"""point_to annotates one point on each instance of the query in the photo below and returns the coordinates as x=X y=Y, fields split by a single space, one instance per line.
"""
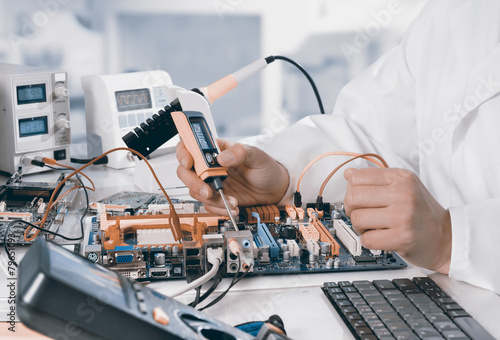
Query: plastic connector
x=215 y=254
x=319 y=203
x=297 y=199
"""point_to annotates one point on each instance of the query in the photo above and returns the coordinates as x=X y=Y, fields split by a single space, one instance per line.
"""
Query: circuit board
x=131 y=234
x=28 y=201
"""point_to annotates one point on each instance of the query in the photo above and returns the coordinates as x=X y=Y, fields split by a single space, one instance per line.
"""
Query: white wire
x=199 y=281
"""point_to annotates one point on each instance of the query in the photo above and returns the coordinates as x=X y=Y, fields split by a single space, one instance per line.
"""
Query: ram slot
x=325 y=236
x=266 y=238
x=11 y=216
x=348 y=237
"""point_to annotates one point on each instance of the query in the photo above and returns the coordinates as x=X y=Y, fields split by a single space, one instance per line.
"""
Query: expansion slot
x=10 y=216
x=325 y=236
x=348 y=237
x=295 y=212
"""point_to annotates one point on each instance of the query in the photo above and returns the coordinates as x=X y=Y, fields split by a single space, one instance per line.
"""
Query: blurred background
x=200 y=41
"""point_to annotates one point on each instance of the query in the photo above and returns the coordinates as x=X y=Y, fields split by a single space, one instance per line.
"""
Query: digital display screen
x=133 y=100
x=200 y=130
x=86 y=276
x=33 y=126
x=29 y=94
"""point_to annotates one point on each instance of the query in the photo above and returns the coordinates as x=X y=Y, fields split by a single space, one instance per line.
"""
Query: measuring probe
x=195 y=133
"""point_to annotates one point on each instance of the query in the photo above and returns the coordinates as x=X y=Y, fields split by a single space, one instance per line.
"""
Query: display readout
x=200 y=129
x=33 y=126
x=133 y=100
x=30 y=94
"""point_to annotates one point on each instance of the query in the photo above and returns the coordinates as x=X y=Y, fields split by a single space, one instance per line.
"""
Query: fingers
x=183 y=156
x=374 y=176
x=196 y=186
x=357 y=197
x=370 y=218
x=236 y=154
x=382 y=239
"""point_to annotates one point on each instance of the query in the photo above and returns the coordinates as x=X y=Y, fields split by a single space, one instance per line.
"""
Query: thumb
x=348 y=173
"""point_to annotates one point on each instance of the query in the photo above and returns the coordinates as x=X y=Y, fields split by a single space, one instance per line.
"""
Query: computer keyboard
x=401 y=309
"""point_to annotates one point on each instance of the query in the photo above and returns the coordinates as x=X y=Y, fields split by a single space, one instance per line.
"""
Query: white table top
x=297 y=299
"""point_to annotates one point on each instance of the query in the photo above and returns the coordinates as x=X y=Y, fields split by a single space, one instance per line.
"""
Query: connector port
x=124 y=258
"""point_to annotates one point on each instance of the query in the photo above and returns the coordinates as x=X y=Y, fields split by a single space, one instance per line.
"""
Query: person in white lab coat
x=431 y=108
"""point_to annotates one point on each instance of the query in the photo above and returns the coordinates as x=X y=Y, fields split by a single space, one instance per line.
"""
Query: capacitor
x=288 y=220
x=336 y=215
x=284 y=247
x=286 y=256
x=332 y=232
x=168 y=250
x=329 y=263
x=336 y=263
x=324 y=248
x=175 y=250
x=280 y=241
x=312 y=258
x=159 y=260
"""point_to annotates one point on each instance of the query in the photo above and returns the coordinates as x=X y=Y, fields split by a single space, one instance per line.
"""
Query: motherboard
x=131 y=234
x=28 y=201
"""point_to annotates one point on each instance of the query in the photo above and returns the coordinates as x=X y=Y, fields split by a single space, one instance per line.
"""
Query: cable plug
x=297 y=199
x=319 y=203
x=49 y=161
x=214 y=254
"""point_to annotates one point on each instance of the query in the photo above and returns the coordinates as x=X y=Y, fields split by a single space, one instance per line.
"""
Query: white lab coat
x=431 y=105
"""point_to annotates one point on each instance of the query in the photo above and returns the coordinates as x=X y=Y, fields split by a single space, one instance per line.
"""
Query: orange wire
x=176 y=226
x=335 y=153
x=382 y=165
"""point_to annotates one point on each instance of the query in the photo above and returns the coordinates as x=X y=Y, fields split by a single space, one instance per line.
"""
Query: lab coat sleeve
x=474 y=244
x=374 y=113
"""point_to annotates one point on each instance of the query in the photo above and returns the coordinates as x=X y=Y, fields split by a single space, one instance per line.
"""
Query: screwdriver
x=197 y=137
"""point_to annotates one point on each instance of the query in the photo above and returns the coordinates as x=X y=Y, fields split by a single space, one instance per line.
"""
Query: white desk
x=298 y=299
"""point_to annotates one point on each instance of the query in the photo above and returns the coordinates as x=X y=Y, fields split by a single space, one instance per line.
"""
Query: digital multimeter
x=65 y=296
x=195 y=133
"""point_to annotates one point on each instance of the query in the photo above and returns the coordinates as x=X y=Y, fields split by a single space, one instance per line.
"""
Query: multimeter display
x=133 y=100
x=33 y=126
x=103 y=283
x=203 y=137
x=29 y=94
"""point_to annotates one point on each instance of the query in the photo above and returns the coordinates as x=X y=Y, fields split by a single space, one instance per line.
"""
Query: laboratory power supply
x=34 y=117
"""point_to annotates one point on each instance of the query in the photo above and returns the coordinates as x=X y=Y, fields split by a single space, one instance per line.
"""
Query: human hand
x=254 y=177
x=392 y=210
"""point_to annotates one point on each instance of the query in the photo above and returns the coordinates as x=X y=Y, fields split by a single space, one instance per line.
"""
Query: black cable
x=272 y=58
x=233 y=282
x=103 y=160
x=197 y=298
x=11 y=223
x=216 y=280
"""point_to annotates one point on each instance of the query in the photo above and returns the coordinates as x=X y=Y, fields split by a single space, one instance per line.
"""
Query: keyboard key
x=473 y=328
x=457 y=314
x=368 y=337
x=353 y=316
x=383 y=284
x=361 y=331
x=455 y=335
x=342 y=303
x=351 y=296
x=405 y=335
x=330 y=284
x=338 y=296
x=335 y=290
x=437 y=317
x=347 y=309
x=357 y=324
x=404 y=284
x=344 y=283
x=445 y=326
x=349 y=289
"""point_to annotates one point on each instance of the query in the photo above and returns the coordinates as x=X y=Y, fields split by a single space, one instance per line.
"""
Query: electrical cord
x=372 y=158
x=271 y=58
x=176 y=227
x=233 y=282
x=200 y=281
x=103 y=160
x=323 y=185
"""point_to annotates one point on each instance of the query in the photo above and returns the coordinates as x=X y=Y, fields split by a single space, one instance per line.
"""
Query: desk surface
x=298 y=299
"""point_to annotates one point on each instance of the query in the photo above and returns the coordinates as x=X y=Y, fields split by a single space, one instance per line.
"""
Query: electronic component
x=116 y=103
x=35 y=120
x=285 y=250
x=68 y=299
x=348 y=237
